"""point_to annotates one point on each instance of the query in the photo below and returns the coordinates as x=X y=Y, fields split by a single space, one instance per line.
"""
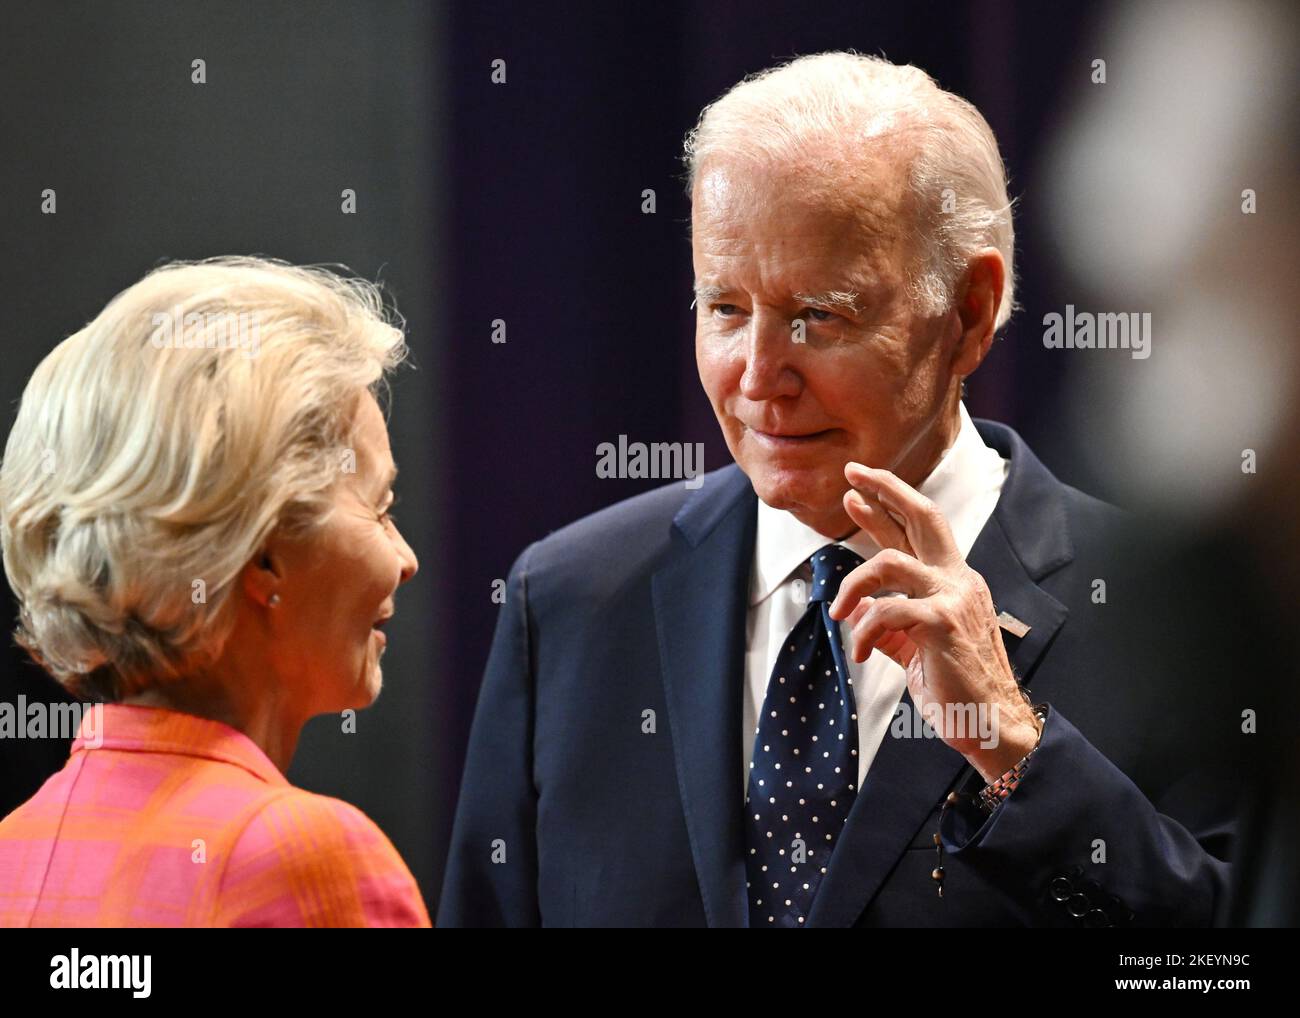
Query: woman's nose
x=410 y=564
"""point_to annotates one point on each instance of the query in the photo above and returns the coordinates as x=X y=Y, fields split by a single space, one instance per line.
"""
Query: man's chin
x=806 y=495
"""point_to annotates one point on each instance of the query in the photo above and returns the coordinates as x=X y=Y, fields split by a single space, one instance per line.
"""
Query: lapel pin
x=1012 y=624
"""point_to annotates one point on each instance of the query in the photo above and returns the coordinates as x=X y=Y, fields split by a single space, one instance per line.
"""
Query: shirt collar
x=158 y=730
x=965 y=470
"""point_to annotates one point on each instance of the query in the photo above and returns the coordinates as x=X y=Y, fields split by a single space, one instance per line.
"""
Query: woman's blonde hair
x=157 y=449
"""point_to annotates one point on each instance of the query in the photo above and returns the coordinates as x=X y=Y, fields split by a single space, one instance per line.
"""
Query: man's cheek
x=715 y=385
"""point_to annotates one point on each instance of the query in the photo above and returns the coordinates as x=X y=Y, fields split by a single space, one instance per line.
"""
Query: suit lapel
x=700 y=604
x=1024 y=540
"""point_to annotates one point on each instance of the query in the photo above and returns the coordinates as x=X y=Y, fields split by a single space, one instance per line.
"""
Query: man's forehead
x=807 y=219
x=862 y=190
x=808 y=240
x=808 y=257
x=871 y=180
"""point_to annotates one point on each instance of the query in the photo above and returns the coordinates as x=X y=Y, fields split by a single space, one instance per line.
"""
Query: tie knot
x=830 y=565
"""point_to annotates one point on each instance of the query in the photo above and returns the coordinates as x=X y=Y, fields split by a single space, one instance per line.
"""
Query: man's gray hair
x=957 y=177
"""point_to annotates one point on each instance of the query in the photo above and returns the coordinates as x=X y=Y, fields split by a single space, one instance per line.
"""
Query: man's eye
x=726 y=310
x=820 y=314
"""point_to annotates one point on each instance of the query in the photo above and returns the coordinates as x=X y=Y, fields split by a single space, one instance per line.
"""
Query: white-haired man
x=720 y=706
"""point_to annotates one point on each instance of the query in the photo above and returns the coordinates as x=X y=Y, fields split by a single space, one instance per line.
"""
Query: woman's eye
x=726 y=310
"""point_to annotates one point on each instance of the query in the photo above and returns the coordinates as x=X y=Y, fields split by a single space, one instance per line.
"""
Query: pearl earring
x=274 y=599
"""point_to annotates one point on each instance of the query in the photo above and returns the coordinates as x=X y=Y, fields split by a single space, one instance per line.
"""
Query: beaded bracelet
x=992 y=794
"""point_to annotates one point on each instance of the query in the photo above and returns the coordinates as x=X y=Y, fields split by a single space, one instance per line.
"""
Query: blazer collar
x=136 y=729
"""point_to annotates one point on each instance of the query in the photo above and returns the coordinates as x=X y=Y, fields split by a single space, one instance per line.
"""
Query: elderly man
x=796 y=696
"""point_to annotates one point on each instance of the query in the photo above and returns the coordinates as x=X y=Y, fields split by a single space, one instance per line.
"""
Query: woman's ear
x=262 y=577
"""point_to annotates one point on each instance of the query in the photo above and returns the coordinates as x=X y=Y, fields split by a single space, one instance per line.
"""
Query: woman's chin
x=375 y=685
x=374 y=675
x=365 y=689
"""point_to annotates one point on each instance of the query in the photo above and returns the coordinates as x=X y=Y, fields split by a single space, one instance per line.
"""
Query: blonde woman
x=194 y=513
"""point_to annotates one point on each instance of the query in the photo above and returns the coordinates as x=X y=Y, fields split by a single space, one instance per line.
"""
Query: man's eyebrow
x=707 y=292
x=847 y=300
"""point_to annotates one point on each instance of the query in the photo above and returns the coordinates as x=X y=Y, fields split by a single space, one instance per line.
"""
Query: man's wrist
x=1015 y=741
x=997 y=790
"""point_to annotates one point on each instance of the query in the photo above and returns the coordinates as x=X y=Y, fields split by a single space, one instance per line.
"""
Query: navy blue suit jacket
x=577 y=811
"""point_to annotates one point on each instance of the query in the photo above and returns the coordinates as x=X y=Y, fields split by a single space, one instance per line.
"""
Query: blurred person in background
x=1172 y=191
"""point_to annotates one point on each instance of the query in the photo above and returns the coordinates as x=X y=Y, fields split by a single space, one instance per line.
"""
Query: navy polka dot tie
x=804 y=772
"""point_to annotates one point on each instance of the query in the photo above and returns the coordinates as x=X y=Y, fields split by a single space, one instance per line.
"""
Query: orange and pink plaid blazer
x=179 y=821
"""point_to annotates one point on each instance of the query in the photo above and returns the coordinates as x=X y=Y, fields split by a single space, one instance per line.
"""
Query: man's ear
x=977 y=310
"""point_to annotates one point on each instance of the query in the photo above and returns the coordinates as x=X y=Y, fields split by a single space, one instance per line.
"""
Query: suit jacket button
x=1096 y=918
x=1061 y=889
x=1078 y=905
x=1118 y=913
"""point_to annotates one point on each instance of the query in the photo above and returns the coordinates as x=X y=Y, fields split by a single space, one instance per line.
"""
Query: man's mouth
x=787 y=439
x=378 y=627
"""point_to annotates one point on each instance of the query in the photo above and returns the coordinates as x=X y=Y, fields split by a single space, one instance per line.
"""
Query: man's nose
x=769 y=357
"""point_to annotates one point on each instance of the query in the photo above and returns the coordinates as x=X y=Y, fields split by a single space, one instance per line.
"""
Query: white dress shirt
x=965 y=485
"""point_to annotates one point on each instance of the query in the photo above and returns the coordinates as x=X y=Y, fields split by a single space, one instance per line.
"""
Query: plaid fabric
x=179 y=821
